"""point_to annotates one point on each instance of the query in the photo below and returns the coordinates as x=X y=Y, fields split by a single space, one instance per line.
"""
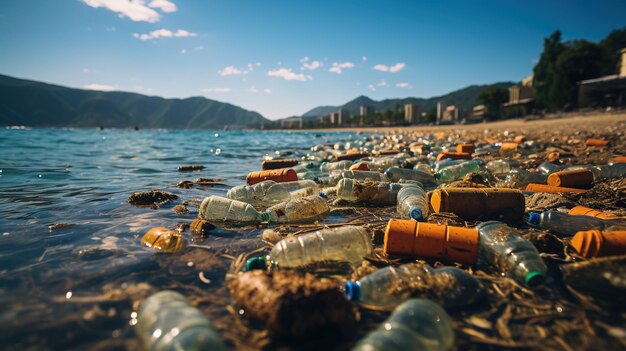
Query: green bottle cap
x=254 y=263
x=534 y=279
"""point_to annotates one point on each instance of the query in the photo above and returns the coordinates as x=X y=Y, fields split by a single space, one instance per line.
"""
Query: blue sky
x=282 y=58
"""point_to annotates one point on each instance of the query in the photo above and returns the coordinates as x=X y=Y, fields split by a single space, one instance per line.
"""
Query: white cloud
x=364 y=58
x=216 y=90
x=183 y=51
x=230 y=71
x=110 y=29
x=382 y=83
x=136 y=10
x=371 y=87
x=85 y=70
x=339 y=67
x=164 y=5
x=258 y=64
x=199 y=48
x=404 y=85
x=267 y=91
x=164 y=33
x=393 y=69
x=287 y=74
x=254 y=90
x=100 y=87
x=312 y=65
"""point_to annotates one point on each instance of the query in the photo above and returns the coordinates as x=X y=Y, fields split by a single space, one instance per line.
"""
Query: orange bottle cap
x=574 y=178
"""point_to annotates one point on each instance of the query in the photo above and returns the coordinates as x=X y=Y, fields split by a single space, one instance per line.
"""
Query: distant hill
x=36 y=104
x=464 y=99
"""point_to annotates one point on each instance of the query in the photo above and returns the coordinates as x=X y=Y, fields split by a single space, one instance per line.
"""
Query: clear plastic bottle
x=448 y=162
x=346 y=244
x=503 y=250
x=548 y=168
x=167 y=322
x=395 y=174
x=521 y=177
x=374 y=192
x=423 y=167
x=301 y=188
x=220 y=209
x=360 y=175
x=303 y=209
x=267 y=192
x=458 y=171
x=332 y=166
x=390 y=286
x=416 y=325
x=568 y=225
x=501 y=167
x=412 y=202
x=382 y=163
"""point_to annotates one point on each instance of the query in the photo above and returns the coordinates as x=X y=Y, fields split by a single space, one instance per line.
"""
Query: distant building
x=440 y=108
x=450 y=114
x=344 y=116
x=607 y=91
x=366 y=111
x=292 y=123
x=521 y=98
x=411 y=113
x=478 y=112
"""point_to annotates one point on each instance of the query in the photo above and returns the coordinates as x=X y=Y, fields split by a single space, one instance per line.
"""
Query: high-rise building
x=411 y=113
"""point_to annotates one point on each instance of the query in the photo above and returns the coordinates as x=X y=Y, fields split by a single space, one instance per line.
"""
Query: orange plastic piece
x=542 y=188
x=595 y=243
x=619 y=159
x=479 y=203
x=277 y=164
x=492 y=140
x=454 y=155
x=575 y=178
x=519 y=139
x=586 y=211
x=553 y=156
x=360 y=166
x=388 y=152
x=465 y=148
x=277 y=175
x=597 y=142
x=508 y=146
x=439 y=241
x=417 y=149
x=351 y=156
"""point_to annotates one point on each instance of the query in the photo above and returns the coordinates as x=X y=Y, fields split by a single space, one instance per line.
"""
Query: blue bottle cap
x=533 y=218
x=352 y=291
x=323 y=195
x=534 y=279
x=316 y=179
x=415 y=213
x=254 y=263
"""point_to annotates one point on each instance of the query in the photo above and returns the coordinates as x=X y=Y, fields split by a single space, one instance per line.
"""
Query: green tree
x=545 y=70
x=493 y=98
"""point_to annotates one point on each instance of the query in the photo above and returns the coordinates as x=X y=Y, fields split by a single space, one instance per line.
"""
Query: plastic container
x=161 y=239
x=576 y=178
x=382 y=193
x=431 y=241
x=542 y=188
x=220 y=209
x=361 y=175
x=465 y=148
x=416 y=325
x=423 y=167
x=521 y=177
x=480 y=203
x=167 y=322
x=595 y=243
x=454 y=155
x=501 y=249
x=439 y=165
x=305 y=209
x=339 y=165
x=278 y=163
x=501 y=167
x=345 y=244
x=616 y=170
x=458 y=171
x=388 y=287
x=395 y=174
x=566 y=224
x=412 y=202
x=586 y=211
x=267 y=192
x=277 y=175
x=382 y=163
x=548 y=168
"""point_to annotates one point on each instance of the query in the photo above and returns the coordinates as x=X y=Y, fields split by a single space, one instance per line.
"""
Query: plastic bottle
x=595 y=243
x=395 y=174
x=501 y=167
x=360 y=175
x=346 y=244
x=416 y=325
x=382 y=163
x=458 y=171
x=375 y=192
x=480 y=203
x=390 y=286
x=521 y=177
x=264 y=193
x=616 y=170
x=548 y=168
x=277 y=175
x=423 y=167
x=575 y=178
x=339 y=165
x=167 y=322
x=502 y=249
x=412 y=202
x=301 y=188
x=220 y=209
x=304 y=209
x=566 y=224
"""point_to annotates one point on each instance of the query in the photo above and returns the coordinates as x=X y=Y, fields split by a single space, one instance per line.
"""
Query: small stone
x=181 y=209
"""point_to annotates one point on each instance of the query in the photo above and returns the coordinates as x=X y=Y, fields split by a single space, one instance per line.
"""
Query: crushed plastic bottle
x=458 y=171
x=390 y=286
x=417 y=325
x=503 y=250
x=501 y=167
x=304 y=209
x=167 y=322
x=412 y=202
x=396 y=174
x=220 y=209
x=345 y=244
x=264 y=193
x=332 y=166
x=567 y=225
x=376 y=192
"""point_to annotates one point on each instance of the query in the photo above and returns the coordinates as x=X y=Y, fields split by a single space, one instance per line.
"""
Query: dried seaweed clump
x=152 y=198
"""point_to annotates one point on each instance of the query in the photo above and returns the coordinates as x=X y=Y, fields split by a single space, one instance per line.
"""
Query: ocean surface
x=70 y=243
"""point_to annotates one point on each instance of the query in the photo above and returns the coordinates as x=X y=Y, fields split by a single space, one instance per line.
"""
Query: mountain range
x=36 y=104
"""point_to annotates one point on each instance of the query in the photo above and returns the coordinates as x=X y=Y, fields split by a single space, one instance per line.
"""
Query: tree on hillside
x=493 y=98
x=545 y=70
x=611 y=47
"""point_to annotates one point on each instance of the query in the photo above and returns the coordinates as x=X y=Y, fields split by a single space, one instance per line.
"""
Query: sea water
x=69 y=239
